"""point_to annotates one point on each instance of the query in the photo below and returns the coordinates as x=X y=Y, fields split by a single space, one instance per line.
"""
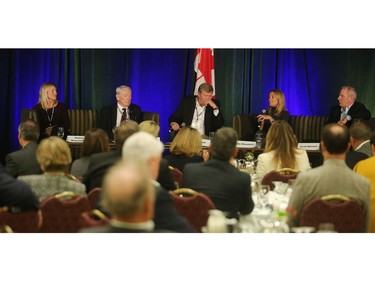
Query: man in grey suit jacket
x=333 y=177
x=360 y=134
x=219 y=179
x=23 y=162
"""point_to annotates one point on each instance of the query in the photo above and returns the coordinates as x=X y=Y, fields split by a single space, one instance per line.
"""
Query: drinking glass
x=263 y=198
x=60 y=132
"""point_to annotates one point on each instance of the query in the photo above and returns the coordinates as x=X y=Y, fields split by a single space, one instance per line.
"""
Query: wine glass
x=263 y=198
x=60 y=132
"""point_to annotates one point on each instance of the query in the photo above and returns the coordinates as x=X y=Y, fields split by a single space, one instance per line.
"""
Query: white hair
x=140 y=147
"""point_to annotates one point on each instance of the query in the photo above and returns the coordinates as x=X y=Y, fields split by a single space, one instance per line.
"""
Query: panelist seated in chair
x=333 y=177
x=200 y=112
x=112 y=115
x=281 y=151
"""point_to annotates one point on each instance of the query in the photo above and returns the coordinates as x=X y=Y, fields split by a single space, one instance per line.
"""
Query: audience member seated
x=348 y=108
x=200 y=112
x=366 y=168
x=185 y=148
x=51 y=113
x=360 y=134
x=99 y=163
x=151 y=127
x=275 y=111
x=112 y=115
x=23 y=162
x=54 y=157
x=16 y=194
x=281 y=151
x=333 y=177
x=96 y=141
x=129 y=198
x=218 y=178
x=146 y=151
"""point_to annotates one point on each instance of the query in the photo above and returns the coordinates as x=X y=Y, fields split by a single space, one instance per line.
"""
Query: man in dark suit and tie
x=23 y=162
x=112 y=115
x=219 y=179
x=348 y=109
x=199 y=112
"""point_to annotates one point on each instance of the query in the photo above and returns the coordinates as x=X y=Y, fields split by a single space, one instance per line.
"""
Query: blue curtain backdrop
x=87 y=79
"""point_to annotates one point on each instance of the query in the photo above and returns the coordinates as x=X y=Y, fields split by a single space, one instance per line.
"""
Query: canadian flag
x=205 y=69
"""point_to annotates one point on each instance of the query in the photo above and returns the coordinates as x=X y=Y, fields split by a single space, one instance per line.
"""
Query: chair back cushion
x=245 y=125
x=346 y=216
x=81 y=120
x=194 y=208
x=62 y=215
x=154 y=116
x=23 y=222
x=93 y=197
x=177 y=176
x=307 y=128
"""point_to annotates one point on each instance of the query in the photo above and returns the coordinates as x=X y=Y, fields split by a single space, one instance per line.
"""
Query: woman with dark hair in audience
x=96 y=140
x=186 y=147
x=51 y=113
x=276 y=110
x=281 y=151
x=54 y=157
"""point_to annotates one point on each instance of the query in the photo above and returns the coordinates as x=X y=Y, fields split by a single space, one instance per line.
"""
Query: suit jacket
x=356 y=111
x=333 y=177
x=227 y=187
x=179 y=162
x=23 y=162
x=108 y=117
x=366 y=149
x=15 y=193
x=366 y=168
x=101 y=162
x=353 y=157
x=185 y=113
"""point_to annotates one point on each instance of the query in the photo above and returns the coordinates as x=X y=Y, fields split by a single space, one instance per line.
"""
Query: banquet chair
x=193 y=206
x=346 y=214
x=176 y=176
x=283 y=175
x=61 y=212
x=93 y=218
x=93 y=197
x=21 y=222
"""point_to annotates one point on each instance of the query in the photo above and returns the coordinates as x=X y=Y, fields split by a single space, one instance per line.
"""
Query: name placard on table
x=309 y=146
x=75 y=139
x=240 y=143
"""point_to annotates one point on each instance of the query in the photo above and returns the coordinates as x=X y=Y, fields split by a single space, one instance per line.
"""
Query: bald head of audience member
x=144 y=149
x=127 y=193
x=223 y=144
x=335 y=141
x=124 y=131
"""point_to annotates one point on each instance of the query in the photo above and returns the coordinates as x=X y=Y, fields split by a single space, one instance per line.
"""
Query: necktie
x=125 y=114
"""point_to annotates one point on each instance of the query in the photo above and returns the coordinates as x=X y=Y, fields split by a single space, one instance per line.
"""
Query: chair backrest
x=154 y=116
x=82 y=120
x=346 y=214
x=93 y=218
x=283 y=175
x=28 y=113
x=61 y=212
x=194 y=207
x=177 y=176
x=93 y=197
x=245 y=125
x=22 y=222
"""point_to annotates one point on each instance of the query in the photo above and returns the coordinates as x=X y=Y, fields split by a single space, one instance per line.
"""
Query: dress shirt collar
x=147 y=225
x=362 y=144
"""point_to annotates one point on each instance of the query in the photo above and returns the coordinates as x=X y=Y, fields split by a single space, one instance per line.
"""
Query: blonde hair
x=281 y=98
x=280 y=139
x=43 y=98
x=188 y=142
x=53 y=154
x=151 y=127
